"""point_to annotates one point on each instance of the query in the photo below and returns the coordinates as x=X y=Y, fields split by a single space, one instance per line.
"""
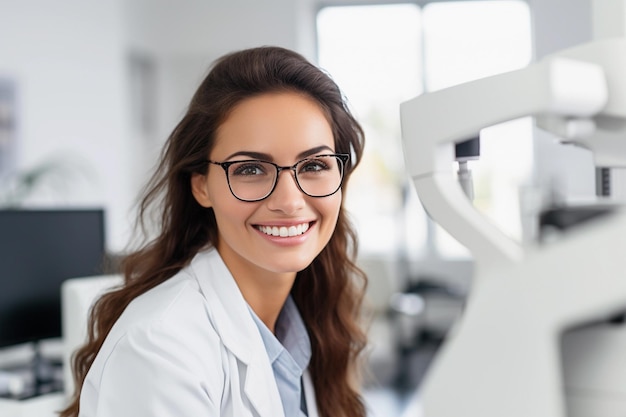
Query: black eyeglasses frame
x=344 y=158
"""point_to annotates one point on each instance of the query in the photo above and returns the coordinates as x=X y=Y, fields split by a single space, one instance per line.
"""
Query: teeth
x=284 y=231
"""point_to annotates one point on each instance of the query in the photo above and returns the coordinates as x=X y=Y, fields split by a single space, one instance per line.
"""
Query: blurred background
x=89 y=91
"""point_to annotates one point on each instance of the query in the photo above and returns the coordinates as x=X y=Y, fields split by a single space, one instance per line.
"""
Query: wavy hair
x=334 y=327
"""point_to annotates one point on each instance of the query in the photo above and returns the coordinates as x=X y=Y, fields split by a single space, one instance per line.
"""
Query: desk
x=43 y=406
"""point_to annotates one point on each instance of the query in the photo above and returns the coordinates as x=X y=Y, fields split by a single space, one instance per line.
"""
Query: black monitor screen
x=39 y=249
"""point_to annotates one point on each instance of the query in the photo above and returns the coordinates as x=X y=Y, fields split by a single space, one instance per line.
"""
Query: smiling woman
x=265 y=126
x=222 y=313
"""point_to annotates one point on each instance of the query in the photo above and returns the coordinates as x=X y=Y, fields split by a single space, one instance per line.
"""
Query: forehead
x=278 y=124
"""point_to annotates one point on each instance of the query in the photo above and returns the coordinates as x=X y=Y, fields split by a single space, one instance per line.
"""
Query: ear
x=199 y=189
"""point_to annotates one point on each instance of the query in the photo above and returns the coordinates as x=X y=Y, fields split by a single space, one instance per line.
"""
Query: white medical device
x=510 y=354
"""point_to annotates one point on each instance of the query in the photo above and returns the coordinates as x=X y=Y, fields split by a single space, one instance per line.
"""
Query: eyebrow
x=268 y=157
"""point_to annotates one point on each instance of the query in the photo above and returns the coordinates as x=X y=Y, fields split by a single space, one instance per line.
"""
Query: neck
x=267 y=301
x=264 y=291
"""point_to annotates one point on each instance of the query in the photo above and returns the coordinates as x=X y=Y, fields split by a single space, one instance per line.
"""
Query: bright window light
x=377 y=63
x=392 y=53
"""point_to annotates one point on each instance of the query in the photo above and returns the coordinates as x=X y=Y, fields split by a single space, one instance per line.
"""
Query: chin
x=290 y=265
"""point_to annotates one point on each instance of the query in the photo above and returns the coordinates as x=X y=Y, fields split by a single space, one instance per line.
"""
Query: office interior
x=90 y=91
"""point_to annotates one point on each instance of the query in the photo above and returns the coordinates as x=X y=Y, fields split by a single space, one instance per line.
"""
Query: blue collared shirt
x=289 y=352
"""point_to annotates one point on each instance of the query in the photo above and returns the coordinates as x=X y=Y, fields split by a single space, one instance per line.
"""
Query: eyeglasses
x=254 y=180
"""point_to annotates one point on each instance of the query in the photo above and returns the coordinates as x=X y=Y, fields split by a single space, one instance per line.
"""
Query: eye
x=313 y=165
x=248 y=168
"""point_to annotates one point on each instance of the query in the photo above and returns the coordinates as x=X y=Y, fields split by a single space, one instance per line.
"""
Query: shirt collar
x=291 y=335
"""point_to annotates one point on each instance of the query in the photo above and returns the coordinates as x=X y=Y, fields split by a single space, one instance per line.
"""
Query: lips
x=284 y=231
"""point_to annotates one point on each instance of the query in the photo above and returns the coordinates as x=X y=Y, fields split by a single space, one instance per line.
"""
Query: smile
x=284 y=231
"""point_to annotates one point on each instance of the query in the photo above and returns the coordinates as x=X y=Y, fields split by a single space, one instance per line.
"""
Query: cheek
x=329 y=208
x=229 y=212
x=231 y=225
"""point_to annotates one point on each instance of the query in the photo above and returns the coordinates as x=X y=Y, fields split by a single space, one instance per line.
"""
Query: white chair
x=77 y=297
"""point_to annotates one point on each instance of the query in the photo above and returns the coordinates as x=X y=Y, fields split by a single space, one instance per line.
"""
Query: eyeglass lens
x=254 y=180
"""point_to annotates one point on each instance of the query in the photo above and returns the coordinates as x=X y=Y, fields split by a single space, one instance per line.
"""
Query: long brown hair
x=328 y=292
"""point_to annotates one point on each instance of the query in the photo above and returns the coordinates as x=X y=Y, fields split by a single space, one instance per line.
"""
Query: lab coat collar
x=237 y=330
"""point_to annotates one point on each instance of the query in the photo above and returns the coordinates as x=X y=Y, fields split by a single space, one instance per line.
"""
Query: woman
x=247 y=302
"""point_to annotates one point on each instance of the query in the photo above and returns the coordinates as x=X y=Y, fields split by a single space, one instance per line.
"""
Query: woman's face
x=282 y=128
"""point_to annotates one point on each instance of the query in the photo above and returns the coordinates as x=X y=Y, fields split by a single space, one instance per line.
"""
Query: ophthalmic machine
x=535 y=338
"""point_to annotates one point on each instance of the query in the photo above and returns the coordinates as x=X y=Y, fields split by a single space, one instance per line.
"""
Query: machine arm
x=434 y=122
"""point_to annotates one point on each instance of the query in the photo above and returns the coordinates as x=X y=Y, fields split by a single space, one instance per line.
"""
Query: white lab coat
x=187 y=348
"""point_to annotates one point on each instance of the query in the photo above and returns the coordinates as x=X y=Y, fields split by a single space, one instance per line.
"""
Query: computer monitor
x=39 y=249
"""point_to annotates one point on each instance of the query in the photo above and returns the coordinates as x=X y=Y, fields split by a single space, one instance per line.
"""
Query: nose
x=287 y=196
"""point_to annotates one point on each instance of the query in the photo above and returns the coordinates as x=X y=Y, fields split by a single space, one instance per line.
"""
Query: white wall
x=210 y=27
x=67 y=60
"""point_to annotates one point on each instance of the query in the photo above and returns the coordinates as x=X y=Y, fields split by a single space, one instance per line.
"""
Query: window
x=383 y=55
x=377 y=63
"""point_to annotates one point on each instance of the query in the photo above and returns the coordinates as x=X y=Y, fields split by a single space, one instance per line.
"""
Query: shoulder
x=171 y=322
x=175 y=309
x=165 y=336
x=175 y=300
x=186 y=308
x=177 y=304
